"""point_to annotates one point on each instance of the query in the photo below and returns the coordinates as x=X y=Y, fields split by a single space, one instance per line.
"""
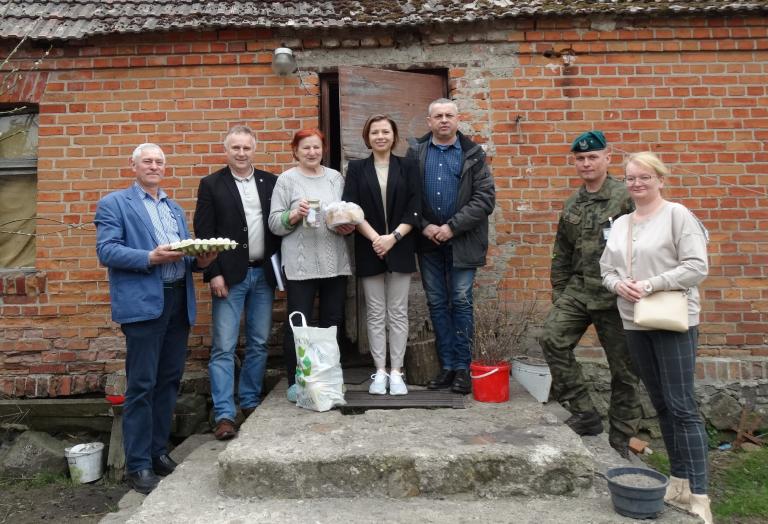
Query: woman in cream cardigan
x=669 y=251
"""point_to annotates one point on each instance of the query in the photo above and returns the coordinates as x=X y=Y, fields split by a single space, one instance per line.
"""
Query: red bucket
x=490 y=382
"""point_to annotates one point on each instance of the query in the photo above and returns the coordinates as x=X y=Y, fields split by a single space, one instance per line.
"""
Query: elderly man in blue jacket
x=153 y=300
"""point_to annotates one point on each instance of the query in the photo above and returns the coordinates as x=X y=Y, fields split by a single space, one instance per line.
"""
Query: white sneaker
x=396 y=384
x=379 y=384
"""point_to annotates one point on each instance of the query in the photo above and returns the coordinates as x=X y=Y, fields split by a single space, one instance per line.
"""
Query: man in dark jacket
x=458 y=195
x=579 y=298
x=234 y=203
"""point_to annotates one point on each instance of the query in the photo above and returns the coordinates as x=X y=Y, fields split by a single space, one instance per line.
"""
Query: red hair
x=306 y=133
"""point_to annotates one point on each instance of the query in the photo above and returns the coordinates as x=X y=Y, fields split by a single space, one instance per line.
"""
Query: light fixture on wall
x=283 y=61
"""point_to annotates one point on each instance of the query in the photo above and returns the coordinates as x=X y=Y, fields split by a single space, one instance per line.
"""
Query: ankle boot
x=700 y=507
x=678 y=493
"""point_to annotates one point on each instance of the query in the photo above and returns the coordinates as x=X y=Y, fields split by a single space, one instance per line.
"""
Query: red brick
x=702 y=108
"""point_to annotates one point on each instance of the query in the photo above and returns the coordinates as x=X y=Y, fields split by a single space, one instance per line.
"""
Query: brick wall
x=692 y=90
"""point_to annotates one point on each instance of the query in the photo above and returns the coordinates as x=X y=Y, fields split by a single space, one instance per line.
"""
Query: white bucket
x=535 y=378
x=85 y=464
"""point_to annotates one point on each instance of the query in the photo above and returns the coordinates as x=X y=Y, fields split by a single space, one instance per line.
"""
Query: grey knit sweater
x=309 y=252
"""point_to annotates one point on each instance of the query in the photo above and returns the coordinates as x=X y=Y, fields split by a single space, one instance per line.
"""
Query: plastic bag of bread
x=341 y=213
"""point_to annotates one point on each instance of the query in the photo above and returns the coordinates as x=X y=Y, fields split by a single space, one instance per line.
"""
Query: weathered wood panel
x=56 y=407
x=364 y=91
x=58 y=414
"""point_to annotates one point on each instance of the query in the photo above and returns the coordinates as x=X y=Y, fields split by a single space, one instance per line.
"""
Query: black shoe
x=163 y=465
x=621 y=447
x=462 y=384
x=585 y=423
x=143 y=481
x=620 y=442
x=443 y=380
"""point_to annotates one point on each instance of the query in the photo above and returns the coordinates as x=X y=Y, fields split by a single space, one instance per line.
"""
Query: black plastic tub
x=635 y=501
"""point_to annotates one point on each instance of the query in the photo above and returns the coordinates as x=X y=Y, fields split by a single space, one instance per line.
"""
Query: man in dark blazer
x=153 y=300
x=234 y=203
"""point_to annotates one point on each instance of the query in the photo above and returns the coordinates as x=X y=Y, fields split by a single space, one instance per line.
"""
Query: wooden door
x=363 y=92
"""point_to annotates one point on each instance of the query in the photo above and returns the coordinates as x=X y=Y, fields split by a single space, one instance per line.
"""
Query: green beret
x=589 y=141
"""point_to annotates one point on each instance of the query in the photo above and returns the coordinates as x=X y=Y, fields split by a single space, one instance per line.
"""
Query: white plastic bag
x=318 y=367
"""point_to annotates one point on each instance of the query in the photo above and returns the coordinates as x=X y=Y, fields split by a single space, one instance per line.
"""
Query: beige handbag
x=666 y=310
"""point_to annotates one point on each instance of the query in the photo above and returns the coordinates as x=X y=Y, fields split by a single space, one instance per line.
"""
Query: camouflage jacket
x=581 y=236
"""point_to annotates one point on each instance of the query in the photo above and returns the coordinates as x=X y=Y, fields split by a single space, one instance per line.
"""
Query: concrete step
x=486 y=450
x=191 y=495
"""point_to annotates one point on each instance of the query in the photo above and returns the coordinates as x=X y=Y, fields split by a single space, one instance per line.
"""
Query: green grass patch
x=738 y=483
x=740 y=486
x=37 y=481
x=658 y=460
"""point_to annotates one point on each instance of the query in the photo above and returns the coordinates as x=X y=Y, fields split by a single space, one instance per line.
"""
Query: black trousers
x=301 y=297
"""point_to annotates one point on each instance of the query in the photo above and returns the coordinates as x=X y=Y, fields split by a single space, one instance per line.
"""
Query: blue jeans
x=254 y=295
x=449 y=297
x=154 y=363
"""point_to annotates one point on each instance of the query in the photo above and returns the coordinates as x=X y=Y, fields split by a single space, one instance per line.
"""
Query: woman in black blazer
x=388 y=188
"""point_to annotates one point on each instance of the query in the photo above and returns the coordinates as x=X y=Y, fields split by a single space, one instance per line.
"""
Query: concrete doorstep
x=509 y=462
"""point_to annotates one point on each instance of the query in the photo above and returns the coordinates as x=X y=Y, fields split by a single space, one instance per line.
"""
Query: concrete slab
x=485 y=450
x=191 y=496
x=132 y=501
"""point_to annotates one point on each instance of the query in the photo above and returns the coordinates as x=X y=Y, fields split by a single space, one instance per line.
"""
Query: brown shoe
x=225 y=430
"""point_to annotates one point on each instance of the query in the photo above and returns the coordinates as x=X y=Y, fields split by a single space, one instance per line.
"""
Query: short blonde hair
x=650 y=161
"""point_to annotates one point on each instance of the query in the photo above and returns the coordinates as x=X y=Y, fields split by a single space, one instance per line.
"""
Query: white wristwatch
x=648 y=288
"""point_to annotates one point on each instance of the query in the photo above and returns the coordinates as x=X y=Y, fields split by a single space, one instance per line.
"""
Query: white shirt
x=249 y=195
x=382 y=172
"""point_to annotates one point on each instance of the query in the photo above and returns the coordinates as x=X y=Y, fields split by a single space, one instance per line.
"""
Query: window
x=18 y=186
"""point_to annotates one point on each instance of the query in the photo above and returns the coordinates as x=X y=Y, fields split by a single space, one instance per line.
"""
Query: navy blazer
x=219 y=213
x=124 y=237
x=403 y=207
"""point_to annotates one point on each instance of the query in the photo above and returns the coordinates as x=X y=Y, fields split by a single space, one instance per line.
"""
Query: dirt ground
x=60 y=503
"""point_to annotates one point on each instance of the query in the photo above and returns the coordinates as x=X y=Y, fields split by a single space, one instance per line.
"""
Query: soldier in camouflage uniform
x=579 y=298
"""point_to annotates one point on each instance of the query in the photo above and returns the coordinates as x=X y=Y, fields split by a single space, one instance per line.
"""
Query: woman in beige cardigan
x=669 y=251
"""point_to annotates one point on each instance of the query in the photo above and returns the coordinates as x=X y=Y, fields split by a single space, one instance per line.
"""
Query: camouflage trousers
x=563 y=328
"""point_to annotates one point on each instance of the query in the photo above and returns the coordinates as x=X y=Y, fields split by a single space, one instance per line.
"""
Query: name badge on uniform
x=607 y=230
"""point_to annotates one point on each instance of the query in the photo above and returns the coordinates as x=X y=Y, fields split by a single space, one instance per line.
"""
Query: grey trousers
x=386 y=298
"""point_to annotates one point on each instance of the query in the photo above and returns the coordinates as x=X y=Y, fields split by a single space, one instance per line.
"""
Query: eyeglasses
x=643 y=178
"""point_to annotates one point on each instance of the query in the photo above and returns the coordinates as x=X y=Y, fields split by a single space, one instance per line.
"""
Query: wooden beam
x=55 y=407
x=54 y=414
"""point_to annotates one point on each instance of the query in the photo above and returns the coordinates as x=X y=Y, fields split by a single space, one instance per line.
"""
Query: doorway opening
x=350 y=95
x=347 y=98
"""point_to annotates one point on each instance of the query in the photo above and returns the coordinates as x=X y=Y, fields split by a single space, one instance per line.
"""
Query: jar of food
x=313 y=218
